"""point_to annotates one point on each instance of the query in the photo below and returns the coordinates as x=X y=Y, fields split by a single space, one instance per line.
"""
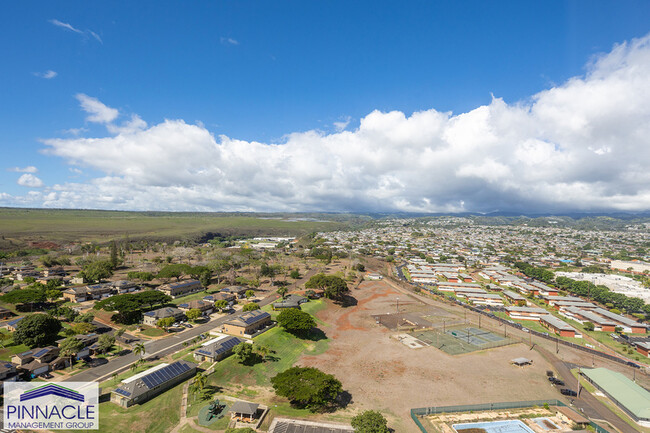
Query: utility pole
x=397 y=300
x=557 y=344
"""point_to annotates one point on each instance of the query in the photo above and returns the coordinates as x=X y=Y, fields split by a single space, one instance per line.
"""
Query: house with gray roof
x=217 y=349
x=143 y=386
x=152 y=317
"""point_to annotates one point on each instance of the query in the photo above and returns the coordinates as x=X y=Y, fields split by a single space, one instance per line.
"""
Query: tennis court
x=459 y=340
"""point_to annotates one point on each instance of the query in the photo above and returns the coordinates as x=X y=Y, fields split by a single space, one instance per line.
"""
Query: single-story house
x=217 y=348
x=290 y=301
x=198 y=304
x=557 y=326
x=239 y=291
x=5 y=314
x=12 y=324
x=151 y=317
x=526 y=313
x=181 y=288
x=143 y=386
x=248 y=323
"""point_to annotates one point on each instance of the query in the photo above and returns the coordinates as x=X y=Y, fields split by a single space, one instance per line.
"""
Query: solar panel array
x=182 y=284
x=253 y=317
x=123 y=392
x=41 y=353
x=221 y=346
x=165 y=374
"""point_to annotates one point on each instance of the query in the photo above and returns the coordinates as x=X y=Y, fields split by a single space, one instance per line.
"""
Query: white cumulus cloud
x=28 y=169
x=48 y=75
x=97 y=111
x=29 y=180
x=578 y=146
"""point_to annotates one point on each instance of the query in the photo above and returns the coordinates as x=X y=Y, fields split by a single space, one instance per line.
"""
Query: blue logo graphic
x=52 y=389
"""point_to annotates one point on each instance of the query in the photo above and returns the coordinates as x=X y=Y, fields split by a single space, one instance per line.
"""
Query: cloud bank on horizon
x=580 y=146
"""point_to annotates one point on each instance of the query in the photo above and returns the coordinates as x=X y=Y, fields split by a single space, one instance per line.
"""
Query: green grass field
x=288 y=349
x=91 y=225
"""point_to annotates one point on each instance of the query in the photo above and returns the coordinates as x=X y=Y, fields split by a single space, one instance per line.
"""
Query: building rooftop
x=630 y=395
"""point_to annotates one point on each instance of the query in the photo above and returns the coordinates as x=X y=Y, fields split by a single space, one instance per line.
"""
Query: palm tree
x=139 y=349
x=200 y=381
x=262 y=350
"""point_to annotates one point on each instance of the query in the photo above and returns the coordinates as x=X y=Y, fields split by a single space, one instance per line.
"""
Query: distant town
x=432 y=324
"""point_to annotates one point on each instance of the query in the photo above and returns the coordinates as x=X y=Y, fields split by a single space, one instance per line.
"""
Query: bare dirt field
x=383 y=374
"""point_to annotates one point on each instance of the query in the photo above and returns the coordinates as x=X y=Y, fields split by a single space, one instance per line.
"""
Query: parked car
x=558 y=382
x=551 y=379
x=569 y=392
x=632 y=364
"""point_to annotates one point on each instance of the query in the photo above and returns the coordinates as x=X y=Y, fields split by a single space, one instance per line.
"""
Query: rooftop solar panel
x=41 y=353
x=148 y=382
x=123 y=392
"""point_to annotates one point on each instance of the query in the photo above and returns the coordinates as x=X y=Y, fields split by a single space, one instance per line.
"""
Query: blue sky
x=294 y=75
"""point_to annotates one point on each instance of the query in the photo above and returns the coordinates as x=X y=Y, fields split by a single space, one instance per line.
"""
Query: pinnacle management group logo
x=51 y=406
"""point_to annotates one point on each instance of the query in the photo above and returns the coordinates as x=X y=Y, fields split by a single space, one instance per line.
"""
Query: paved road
x=156 y=348
x=589 y=405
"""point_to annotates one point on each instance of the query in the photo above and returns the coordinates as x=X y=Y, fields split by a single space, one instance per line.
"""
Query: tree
x=52 y=294
x=220 y=304
x=114 y=260
x=249 y=294
x=4 y=337
x=84 y=318
x=70 y=347
x=589 y=326
x=105 y=342
x=174 y=271
x=295 y=274
x=296 y=321
x=282 y=291
x=139 y=349
x=24 y=296
x=333 y=286
x=370 y=421
x=307 y=387
x=140 y=276
x=198 y=385
x=193 y=314
x=96 y=271
x=205 y=278
x=360 y=267
x=83 y=328
x=251 y=306
x=165 y=322
x=37 y=330
x=245 y=353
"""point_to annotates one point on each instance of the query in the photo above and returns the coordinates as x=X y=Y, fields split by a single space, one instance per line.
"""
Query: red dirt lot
x=383 y=374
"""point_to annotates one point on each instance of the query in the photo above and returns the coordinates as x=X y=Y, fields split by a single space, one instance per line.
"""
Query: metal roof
x=633 y=397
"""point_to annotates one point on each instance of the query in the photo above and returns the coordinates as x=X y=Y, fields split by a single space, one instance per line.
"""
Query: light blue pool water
x=509 y=426
x=540 y=422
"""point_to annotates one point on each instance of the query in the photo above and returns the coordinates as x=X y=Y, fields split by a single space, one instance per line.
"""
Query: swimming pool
x=546 y=423
x=508 y=426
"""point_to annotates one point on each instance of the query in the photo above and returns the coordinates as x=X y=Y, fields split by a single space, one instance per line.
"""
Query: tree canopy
x=251 y=306
x=334 y=287
x=307 y=387
x=37 y=330
x=296 y=321
x=24 y=296
x=370 y=421
x=96 y=271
